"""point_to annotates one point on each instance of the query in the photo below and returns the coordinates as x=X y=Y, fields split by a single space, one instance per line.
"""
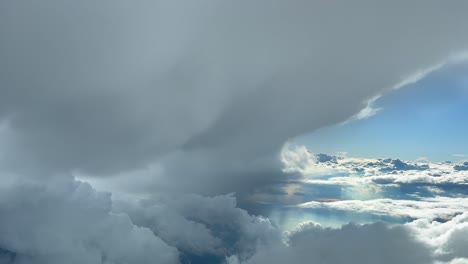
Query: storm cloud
x=113 y=86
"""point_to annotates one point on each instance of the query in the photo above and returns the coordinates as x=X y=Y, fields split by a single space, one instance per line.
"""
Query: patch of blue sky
x=428 y=118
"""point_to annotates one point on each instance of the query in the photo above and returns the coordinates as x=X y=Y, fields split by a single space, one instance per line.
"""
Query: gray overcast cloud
x=109 y=86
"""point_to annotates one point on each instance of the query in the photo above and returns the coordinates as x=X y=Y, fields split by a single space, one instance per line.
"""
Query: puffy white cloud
x=449 y=239
x=203 y=226
x=427 y=208
x=383 y=187
x=421 y=241
x=375 y=243
x=175 y=229
x=332 y=170
x=69 y=222
x=455 y=261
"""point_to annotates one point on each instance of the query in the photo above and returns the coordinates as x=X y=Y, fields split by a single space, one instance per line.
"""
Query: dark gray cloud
x=203 y=227
x=112 y=86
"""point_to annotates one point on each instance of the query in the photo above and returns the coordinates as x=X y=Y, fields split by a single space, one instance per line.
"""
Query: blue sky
x=424 y=119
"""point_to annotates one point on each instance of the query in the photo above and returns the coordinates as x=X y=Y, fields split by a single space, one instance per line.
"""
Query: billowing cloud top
x=111 y=86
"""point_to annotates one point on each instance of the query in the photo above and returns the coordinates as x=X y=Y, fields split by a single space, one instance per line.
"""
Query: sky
x=166 y=131
x=421 y=120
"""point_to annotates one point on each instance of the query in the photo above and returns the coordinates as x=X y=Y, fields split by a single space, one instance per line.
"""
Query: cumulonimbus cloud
x=111 y=86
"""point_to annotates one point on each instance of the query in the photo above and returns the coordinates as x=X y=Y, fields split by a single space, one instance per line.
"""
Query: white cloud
x=448 y=239
x=423 y=159
x=69 y=222
x=426 y=208
x=386 y=172
x=368 y=111
x=375 y=243
x=298 y=160
x=421 y=241
x=203 y=225
x=174 y=229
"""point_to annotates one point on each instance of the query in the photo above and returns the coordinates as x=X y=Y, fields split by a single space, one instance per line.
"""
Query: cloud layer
x=68 y=221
